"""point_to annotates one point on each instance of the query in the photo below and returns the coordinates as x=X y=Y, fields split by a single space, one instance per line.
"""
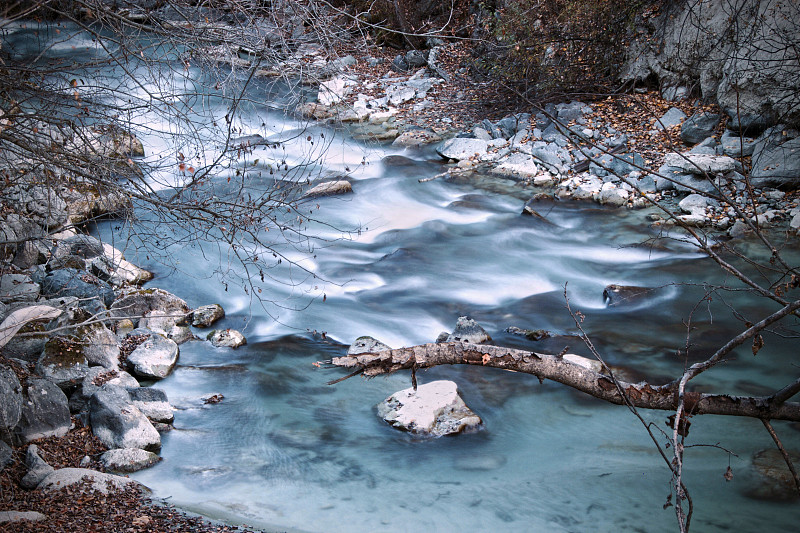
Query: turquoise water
x=401 y=260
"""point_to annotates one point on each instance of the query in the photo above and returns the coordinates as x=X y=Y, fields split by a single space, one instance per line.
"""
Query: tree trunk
x=545 y=366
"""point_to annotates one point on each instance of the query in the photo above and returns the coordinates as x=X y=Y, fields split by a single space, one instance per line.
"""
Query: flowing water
x=284 y=451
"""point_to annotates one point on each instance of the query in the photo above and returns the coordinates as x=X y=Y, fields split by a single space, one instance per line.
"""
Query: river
x=285 y=452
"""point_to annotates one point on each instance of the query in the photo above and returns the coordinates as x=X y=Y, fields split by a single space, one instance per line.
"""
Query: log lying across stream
x=566 y=370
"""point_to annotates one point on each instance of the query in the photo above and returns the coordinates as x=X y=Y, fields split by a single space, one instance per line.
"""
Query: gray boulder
x=99 y=481
x=96 y=378
x=698 y=127
x=127 y=460
x=776 y=164
x=40 y=203
x=155 y=357
x=735 y=146
x=416 y=59
x=416 y=138
x=6 y=455
x=71 y=282
x=63 y=362
x=44 y=413
x=366 y=344
x=11 y=404
x=138 y=302
x=38 y=469
x=467 y=330
x=435 y=409
x=172 y=324
x=672 y=117
x=153 y=403
x=120 y=424
x=460 y=148
x=205 y=315
x=101 y=346
x=17 y=288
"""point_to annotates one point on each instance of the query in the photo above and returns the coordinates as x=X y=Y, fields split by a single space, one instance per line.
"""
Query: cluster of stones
x=71 y=308
x=551 y=148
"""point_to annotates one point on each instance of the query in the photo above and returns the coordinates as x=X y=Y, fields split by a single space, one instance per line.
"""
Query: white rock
x=433 y=410
x=459 y=148
x=155 y=357
x=700 y=163
x=100 y=482
x=128 y=460
x=226 y=338
x=334 y=90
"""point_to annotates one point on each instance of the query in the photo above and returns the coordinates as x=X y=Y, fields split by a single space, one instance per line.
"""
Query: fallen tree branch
x=571 y=374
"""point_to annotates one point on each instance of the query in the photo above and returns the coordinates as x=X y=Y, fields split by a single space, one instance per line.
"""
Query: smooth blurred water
x=284 y=451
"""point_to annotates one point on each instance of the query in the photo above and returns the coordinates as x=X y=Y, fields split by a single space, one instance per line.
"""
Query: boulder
x=10 y=517
x=96 y=378
x=610 y=194
x=700 y=163
x=416 y=59
x=366 y=344
x=329 y=188
x=229 y=338
x=17 y=288
x=71 y=282
x=100 y=345
x=38 y=469
x=735 y=146
x=127 y=460
x=11 y=405
x=336 y=89
x=435 y=409
x=517 y=164
x=696 y=204
x=459 y=148
x=6 y=455
x=467 y=330
x=776 y=164
x=120 y=424
x=44 y=413
x=153 y=403
x=414 y=138
x=698 y=127
x=99 y=481
x=137 y=302
x=63 y=362
x=36 y=320
x=172 y=324
x=205 y=315
x=672 y=117
x=155 y=357
x=771 y=478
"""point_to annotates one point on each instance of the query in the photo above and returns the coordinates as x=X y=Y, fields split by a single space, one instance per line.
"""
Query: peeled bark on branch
x=545 y=366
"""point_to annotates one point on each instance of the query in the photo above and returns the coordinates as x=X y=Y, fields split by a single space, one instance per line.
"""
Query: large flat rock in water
x=433 y=410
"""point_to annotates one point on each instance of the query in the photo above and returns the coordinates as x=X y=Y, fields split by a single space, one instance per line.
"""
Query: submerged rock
x=772 y=478
x=433 y=410
x=622 y=294
x=226 y=338
x=329 y=188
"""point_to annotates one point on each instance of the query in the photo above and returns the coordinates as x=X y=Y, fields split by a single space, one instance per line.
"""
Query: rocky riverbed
x=80 y=336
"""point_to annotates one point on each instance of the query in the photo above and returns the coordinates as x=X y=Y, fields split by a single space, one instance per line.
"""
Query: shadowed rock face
x=734 y=50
